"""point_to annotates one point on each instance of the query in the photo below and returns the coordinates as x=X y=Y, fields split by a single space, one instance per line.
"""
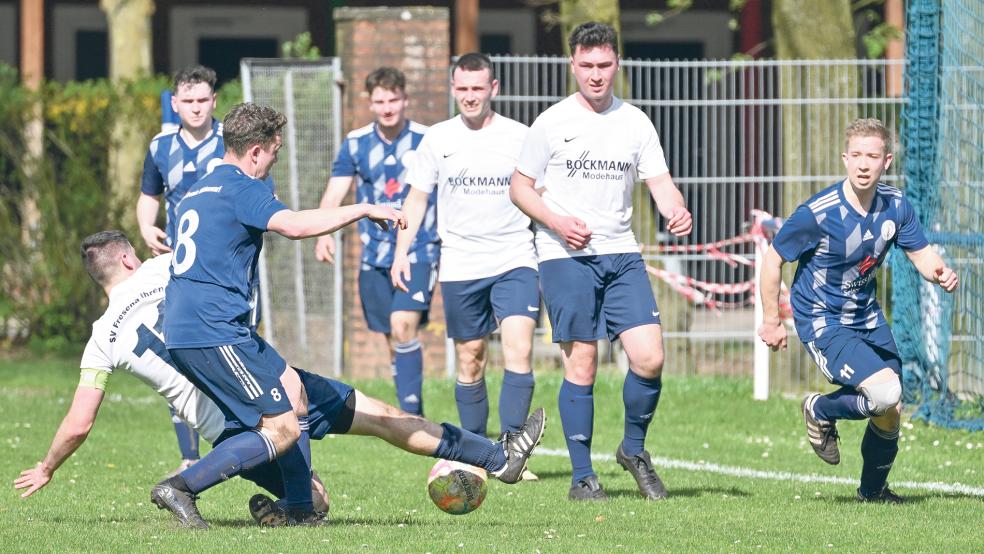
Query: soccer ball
x=457 y=488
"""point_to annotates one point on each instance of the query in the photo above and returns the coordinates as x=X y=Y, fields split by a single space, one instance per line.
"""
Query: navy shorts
x=330 y=405
x=593 y=297
x=380 y=298
x=242 y=379
x=473 y=308
x=849 y=356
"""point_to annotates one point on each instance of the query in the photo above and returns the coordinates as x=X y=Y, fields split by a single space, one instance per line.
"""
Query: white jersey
x=128 y=336
x=589 y=163
x=482 y=233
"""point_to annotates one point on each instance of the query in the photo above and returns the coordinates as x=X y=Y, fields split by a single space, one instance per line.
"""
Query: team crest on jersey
x=888 y=230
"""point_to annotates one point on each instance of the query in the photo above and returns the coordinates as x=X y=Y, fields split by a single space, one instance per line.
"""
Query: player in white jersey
x=586 y=152
x=128 y=336
x=488 y=265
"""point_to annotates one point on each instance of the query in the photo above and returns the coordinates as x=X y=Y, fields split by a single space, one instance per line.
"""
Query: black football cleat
x=822 y=434
x=519 y=446
x=641 y=468
x=884 y=496
x=180 y=503
x=267 y=513
x=587 y=489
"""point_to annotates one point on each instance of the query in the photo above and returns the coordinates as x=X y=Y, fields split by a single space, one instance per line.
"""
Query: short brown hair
x=194 y=74
x=388 y=78
x=249 y=124
x=474 y=61
x=868 y=127
x=99 y=252
x=592 y=34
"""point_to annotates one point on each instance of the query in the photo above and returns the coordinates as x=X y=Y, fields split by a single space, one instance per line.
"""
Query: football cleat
x=267 y=513
x=884 y=496
x=641 y=468
x=519 y=445
x=587 y=489
x=822 y=434
x=180 y=503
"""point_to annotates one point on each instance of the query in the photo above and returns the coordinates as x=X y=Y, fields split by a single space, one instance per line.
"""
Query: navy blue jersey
x=221 y=222
x=839 y=251
x=171 y=168
x=380 y=169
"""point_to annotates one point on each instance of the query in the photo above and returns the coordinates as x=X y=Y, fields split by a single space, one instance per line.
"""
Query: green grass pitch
x=738 y=471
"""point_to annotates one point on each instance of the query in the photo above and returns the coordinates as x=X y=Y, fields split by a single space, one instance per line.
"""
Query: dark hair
x=388 y=78
x=592 y=34
x=194 y=74
x=249 y=124
x=98 y=252
x=474 y=61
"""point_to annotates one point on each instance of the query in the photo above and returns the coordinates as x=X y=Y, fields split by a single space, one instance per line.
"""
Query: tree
x=129 y=58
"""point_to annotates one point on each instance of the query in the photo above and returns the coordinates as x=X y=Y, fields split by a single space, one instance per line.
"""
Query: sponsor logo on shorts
x=532 y=309
x=418 y=296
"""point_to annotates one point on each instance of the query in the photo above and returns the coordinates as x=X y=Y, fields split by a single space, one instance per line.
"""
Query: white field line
x=744 y=472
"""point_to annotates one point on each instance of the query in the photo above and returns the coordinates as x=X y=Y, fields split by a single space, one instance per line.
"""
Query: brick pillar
x=416 y=41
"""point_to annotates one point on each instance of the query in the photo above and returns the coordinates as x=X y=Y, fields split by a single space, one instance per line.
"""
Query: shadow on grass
x=917 y=498
x=685 y=492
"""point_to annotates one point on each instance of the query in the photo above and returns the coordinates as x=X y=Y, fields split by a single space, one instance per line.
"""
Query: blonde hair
x=868 y=127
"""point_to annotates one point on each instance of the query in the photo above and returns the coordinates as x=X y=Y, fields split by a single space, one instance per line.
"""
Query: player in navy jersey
x=376 y=158
x=177 y=158
x=265 y=403
x=839 y=238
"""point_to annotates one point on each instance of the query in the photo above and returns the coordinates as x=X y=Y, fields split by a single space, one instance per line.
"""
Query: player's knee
x=283 y=431
x=649 y=365
x=882 y=396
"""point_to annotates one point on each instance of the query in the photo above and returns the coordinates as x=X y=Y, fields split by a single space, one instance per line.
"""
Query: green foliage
x=49 y=203
x=301 y=48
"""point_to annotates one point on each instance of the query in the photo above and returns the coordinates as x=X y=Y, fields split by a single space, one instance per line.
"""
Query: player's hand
x=324 y=249
x=155 y=238
x=400 y=272
x=680 y=222
x=773 y=335
x=384 y=216
x=32 y=479
x=572 y=231
x=947 y=278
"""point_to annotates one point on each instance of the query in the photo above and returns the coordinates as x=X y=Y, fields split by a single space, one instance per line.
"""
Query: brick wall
x=416 y=41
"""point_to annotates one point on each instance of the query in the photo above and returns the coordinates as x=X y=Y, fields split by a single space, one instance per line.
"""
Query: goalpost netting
x=941 y=336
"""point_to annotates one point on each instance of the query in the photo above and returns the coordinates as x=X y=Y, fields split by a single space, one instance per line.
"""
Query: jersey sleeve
x=344 y=165
x=96 y=357
x=255 y=205
x=911 y=236
x=151 y=181
x=535 y=155
x=423 y=173
x=652 y=161
x=799 y=234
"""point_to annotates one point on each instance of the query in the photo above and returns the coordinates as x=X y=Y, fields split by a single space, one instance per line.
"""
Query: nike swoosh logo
x=449 y=155
x=569 y=139
x=655 y=314
x=532 y=309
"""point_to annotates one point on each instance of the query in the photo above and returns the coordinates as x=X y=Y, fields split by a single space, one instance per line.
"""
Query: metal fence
x=301 y=298
x=738 y=136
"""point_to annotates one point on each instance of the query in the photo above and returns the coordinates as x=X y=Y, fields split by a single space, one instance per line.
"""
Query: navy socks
x=409 y=374
x=640 y=397
x=576 y=403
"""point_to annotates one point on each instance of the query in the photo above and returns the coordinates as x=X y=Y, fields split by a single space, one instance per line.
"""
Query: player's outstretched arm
x=669 y=202
x=523 y=194
x=71 y=434
x=772 y=331
x=931 y=266
x=335 y=192
x=414 y=206
x=147 y=208
x=314 y=223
